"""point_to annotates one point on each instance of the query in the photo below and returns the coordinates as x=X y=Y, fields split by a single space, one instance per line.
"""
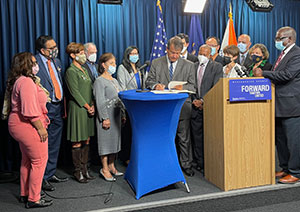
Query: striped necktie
x=278 y=60
x=171 y=71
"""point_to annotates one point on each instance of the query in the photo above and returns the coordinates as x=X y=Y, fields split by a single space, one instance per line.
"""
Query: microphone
x=246 y=71
x=147 y=63
x=241 y=73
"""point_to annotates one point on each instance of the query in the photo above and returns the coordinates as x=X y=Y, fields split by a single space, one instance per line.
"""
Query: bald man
x=244 y=43
x=285 y=74
x=207 y=74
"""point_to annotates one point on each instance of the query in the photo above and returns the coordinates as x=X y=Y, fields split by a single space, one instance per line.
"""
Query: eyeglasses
x=51 y=48
x=280 y=38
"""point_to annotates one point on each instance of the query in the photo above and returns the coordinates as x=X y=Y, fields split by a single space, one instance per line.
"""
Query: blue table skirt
x=153 y=162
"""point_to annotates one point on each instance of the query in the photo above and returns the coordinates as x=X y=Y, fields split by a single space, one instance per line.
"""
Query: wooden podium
x=239 y=147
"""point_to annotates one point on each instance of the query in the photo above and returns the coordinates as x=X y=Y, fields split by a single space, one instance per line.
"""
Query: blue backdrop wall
x=114 y=27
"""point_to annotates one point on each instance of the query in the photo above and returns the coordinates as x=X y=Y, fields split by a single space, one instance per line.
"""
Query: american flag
x=160 y=41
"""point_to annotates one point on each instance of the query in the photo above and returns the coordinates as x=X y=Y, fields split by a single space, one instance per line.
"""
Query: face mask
x=134 y=58
x=111 y=70
x=92 y=58
x=183 y=50
x=81 y=59
x=227 y=60
x=256 y=58
x=242 y=47
x=279 y=45
x=213 y=51
x=53 y=53
x=35 y=69
x=202 y=59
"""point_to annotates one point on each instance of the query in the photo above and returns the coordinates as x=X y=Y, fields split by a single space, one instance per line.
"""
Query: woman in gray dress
x=109 y=112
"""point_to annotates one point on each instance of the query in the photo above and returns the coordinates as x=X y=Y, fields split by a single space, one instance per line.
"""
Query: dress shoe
x=40 y=204
x=280 y=174
x=23 y=199
x=189 y=172
x=47 y=186
x=117 y=173
x=43 y=194
x=109 y=179
x=289 y=179
x=55 y=179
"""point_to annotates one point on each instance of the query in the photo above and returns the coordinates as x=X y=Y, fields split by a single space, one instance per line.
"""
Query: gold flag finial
x=230 y=11
x=158 y=4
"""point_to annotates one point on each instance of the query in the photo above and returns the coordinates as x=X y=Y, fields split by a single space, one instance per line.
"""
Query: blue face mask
x=242 y=47
x=279 y=45
x=134 y=58
x=256 y=58
x=213 y=51
x=111 y=70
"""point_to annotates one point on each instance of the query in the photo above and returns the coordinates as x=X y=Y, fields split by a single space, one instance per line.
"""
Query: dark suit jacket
x=45 y=78
x=90 y=72
x=192 y=58
x=220 y=60
x=247 y=63
x=213 y=72
x=286 y=78
x=184 y=71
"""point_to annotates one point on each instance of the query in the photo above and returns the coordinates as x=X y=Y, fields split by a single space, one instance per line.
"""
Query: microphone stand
x=142 y=90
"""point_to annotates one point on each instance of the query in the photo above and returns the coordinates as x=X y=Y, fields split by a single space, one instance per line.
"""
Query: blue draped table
x=153 y=161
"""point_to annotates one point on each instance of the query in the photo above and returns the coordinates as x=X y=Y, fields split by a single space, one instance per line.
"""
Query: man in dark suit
x=244 y=43
x=214 y=43
x=90 y=51
x=51 y=79
x=184 y=52
x=207 y=74
x=285 y=74
x=173 y=67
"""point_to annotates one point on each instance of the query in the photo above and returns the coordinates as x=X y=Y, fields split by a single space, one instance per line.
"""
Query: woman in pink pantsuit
x=27 y=124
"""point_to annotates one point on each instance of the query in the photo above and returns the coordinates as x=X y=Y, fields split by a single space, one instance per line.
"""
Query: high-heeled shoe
x=117 y=173
x=109 y=179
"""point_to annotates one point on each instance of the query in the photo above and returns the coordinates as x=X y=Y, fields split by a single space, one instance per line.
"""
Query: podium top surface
x=149 y=96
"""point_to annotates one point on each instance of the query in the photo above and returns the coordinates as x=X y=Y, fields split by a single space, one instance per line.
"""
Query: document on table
x=171 y=89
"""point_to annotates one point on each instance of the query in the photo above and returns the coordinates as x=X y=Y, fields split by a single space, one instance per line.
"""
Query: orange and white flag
x=229 y=37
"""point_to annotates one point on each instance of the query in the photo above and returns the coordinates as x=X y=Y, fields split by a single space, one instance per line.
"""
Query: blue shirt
x=93 y=68
x=44 y=59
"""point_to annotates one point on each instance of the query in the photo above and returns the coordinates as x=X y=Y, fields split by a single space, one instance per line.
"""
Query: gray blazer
x=286 y=78
x=127 y=80
x=184 y=71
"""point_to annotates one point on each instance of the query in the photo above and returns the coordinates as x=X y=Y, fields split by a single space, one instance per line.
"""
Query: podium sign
x=250 y=90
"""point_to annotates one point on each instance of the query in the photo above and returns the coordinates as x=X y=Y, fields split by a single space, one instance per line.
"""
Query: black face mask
x=256 y=58
x=226 y=60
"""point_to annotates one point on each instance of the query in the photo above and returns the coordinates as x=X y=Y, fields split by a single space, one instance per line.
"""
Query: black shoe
x=42 y=203
x=55 y=179
x=23 y=199
x=47 y=186
x=198 y=168
x=43 y=194
x=189 y=172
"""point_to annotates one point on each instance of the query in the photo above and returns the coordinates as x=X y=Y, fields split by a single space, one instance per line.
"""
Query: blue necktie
x=171 y=71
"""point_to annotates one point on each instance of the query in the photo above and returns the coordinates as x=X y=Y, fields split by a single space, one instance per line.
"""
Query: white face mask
x=202 y=59
x=183 y=50
x=92 y=58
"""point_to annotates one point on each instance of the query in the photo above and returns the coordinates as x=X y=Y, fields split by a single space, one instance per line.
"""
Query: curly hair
x=21 y=65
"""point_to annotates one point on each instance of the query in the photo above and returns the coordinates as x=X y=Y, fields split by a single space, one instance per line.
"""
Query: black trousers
x=287 y=132
x=197 y=137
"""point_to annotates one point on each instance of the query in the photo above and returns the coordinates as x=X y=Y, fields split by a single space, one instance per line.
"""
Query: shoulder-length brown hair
x=21 y=65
